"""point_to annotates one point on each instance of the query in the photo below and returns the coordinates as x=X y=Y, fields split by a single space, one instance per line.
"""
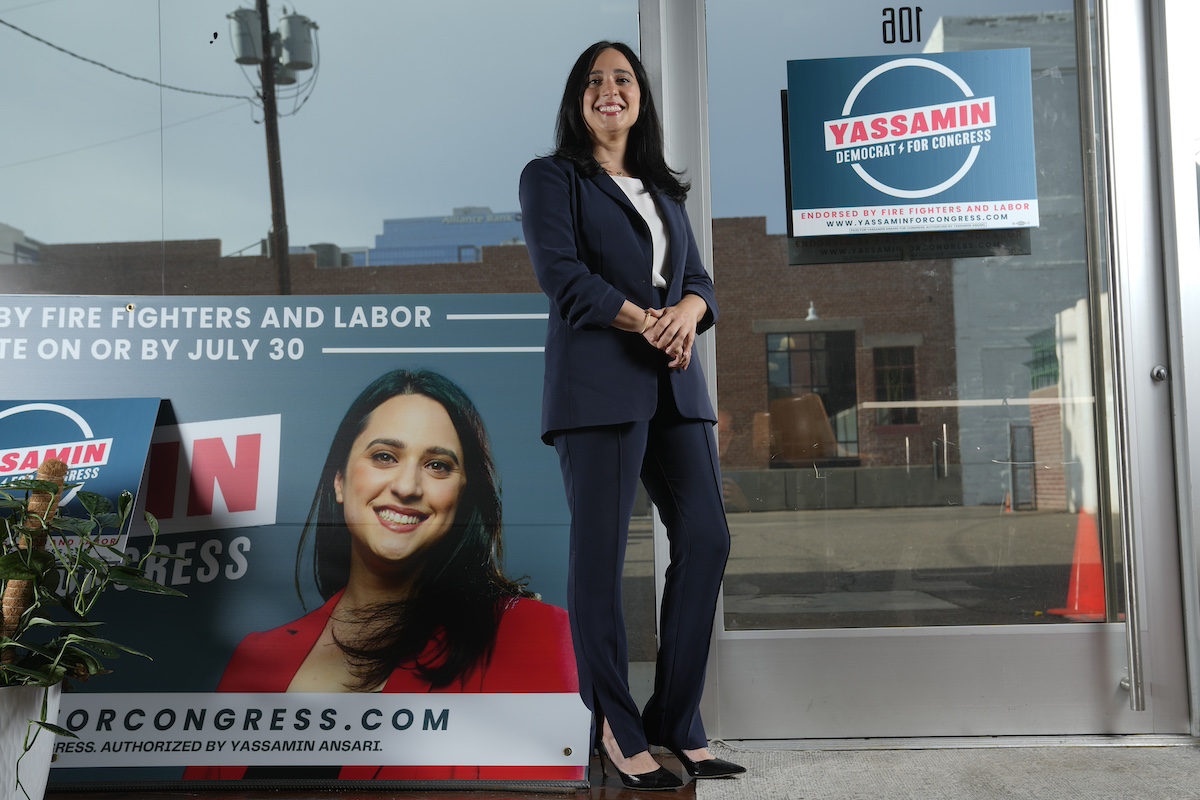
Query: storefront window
x=911 y=435
x=141 y=256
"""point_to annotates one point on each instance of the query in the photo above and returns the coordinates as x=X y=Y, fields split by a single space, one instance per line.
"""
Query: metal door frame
x=1176 y=63
x=760 y=683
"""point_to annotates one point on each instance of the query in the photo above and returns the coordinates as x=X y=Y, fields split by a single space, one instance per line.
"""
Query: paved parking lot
x=877 y=567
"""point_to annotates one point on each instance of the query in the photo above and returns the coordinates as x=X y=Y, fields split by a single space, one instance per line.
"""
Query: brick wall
x=755 y=282
x=197 y=268
x=1050 y=488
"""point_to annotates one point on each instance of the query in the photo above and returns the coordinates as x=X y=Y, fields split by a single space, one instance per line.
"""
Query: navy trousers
x=676 y=459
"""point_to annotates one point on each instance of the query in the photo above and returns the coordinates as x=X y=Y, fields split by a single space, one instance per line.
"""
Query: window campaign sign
x=303 y=443
x=936 y=142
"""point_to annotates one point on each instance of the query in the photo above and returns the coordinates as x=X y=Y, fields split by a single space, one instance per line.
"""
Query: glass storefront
x=909 y=433
x=917 y=429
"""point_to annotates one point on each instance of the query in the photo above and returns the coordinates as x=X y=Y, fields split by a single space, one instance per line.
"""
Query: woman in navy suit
x=612 y=247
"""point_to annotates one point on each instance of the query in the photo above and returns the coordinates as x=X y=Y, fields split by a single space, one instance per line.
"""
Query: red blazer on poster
x=532 y=655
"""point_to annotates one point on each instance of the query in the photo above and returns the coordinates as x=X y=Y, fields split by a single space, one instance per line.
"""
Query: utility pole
x=278 y=55
x=279 y=230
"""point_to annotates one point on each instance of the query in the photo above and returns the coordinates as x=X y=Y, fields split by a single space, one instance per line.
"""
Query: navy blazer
x=591 y=251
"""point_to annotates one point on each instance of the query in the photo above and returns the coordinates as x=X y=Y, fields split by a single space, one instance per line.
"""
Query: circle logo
x=922 y=63
x=70 y=414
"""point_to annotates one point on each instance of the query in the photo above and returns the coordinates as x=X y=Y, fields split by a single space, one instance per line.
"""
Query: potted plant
x=51 y=584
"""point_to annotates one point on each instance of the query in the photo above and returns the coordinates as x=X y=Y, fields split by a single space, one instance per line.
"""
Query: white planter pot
x=18 y=705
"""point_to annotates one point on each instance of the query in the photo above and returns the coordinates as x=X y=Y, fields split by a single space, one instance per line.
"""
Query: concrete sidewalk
x=1087 y=769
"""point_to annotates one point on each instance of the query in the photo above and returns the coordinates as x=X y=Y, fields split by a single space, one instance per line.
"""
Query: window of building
x=895 y=382
x=1043 y=367
x=24 y=254
x=813 y=374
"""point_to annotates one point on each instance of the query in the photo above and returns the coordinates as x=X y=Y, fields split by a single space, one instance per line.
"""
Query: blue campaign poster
x=935 y=142
x=104 y=444
x=253 y=391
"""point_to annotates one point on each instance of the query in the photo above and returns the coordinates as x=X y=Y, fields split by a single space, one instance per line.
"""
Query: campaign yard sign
x=936 y=142
x=252 y=392
x=103 y=443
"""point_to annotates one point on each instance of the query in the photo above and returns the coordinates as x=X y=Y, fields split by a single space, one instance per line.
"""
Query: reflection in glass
x=136 y=161
x=895 y=385
x=922 y=451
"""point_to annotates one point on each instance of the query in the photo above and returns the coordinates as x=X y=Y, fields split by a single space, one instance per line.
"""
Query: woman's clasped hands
x=672 y=330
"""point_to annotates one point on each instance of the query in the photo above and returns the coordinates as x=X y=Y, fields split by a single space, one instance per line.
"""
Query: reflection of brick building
x=903 y=308
x=883 y=305
x=1050 y=487
x=197 y=268
x=454 y=238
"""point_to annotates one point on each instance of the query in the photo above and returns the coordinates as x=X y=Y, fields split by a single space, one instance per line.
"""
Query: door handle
x=1101 y=233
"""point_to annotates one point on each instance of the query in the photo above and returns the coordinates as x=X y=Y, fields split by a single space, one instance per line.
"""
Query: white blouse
x=643 y=201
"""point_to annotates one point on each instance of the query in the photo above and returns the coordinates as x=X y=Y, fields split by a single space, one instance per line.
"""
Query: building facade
x=458 y=237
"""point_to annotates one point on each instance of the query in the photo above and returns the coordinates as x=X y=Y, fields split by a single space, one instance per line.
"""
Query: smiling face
x=401 y=484
x=612 y=99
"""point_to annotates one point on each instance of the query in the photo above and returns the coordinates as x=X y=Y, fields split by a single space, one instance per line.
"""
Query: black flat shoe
x=660 y=779
x=709 y=768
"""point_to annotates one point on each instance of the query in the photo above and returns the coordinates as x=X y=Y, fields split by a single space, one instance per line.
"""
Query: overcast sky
x=418 y=108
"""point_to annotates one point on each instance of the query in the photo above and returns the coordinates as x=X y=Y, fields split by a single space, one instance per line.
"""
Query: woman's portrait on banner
x=404 y=540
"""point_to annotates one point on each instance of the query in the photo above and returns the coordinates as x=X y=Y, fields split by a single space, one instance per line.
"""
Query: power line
x=244 y=249
x=27 y=5
x=119 y=72
x=118 y=139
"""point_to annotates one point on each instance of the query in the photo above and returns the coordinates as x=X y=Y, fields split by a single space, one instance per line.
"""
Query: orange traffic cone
x=1085 y=593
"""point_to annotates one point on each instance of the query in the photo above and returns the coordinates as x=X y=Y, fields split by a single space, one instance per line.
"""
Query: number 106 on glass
x=902 y=24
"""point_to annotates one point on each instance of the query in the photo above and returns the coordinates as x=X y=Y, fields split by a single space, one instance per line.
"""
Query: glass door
x=932 y=483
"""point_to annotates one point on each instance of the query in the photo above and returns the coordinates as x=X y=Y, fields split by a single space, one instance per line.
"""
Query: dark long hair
x=459 y=592
x=644 y=156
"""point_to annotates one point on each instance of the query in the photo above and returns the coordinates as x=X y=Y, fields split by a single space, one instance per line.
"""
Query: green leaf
x=14 y=567
x=165 y=556
x=94 y=564
x=125 y=506
x=42 y=677
x=50 y=623
x=75 y=525
x=97 y=643
x=78 y=656
x=48 y=585
x=57 y=730
x=100 y=646
x=32 y=485
x=107 y=520
x=134 y=579
x=49 y=653
x=95 y=504
x=152 y=521
x=35 y=565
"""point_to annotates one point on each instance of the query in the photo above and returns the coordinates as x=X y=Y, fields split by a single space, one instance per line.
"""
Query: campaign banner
x=103 y=443
x=186 y=730
x=302 y=443
x=936 y=142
